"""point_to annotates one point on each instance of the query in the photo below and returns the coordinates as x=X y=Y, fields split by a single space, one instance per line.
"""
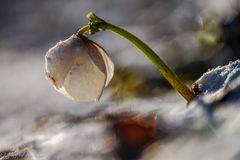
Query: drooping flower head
x=79 y=68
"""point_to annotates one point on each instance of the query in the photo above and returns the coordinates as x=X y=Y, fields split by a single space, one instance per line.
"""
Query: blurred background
x=191 y=36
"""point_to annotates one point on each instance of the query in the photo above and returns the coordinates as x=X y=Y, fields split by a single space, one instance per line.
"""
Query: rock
x=18 y=154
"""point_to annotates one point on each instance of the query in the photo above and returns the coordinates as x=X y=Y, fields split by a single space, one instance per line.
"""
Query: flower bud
x=79 y=68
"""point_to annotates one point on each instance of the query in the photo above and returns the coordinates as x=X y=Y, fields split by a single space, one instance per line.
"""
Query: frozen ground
x=38 y=123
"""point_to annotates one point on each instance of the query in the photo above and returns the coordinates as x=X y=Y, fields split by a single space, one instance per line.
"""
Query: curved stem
x=167 y=72
x=83 y=30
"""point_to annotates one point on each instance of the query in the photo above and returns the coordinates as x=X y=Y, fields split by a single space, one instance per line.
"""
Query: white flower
x=79 y=68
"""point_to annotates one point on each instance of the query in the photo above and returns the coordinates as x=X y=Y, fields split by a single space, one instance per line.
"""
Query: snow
x=220 y=82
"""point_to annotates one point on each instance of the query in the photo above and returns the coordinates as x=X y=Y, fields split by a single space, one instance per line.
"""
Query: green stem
x=83 y=30
x=98 y=24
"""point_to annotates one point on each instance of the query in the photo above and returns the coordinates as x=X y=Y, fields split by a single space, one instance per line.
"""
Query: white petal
x=60 y=58
x=85 y=81
x=109 y=66
x=79 y=68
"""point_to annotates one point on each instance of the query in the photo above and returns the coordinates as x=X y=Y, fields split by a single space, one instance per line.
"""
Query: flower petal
x=85 y=81
x=60 y=58
x=79 y=68
x=108 y=63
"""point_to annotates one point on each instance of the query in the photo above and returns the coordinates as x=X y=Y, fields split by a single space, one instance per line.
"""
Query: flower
x=78 y=68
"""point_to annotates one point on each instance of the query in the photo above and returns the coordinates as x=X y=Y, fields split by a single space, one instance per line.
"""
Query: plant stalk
x=97 y=24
